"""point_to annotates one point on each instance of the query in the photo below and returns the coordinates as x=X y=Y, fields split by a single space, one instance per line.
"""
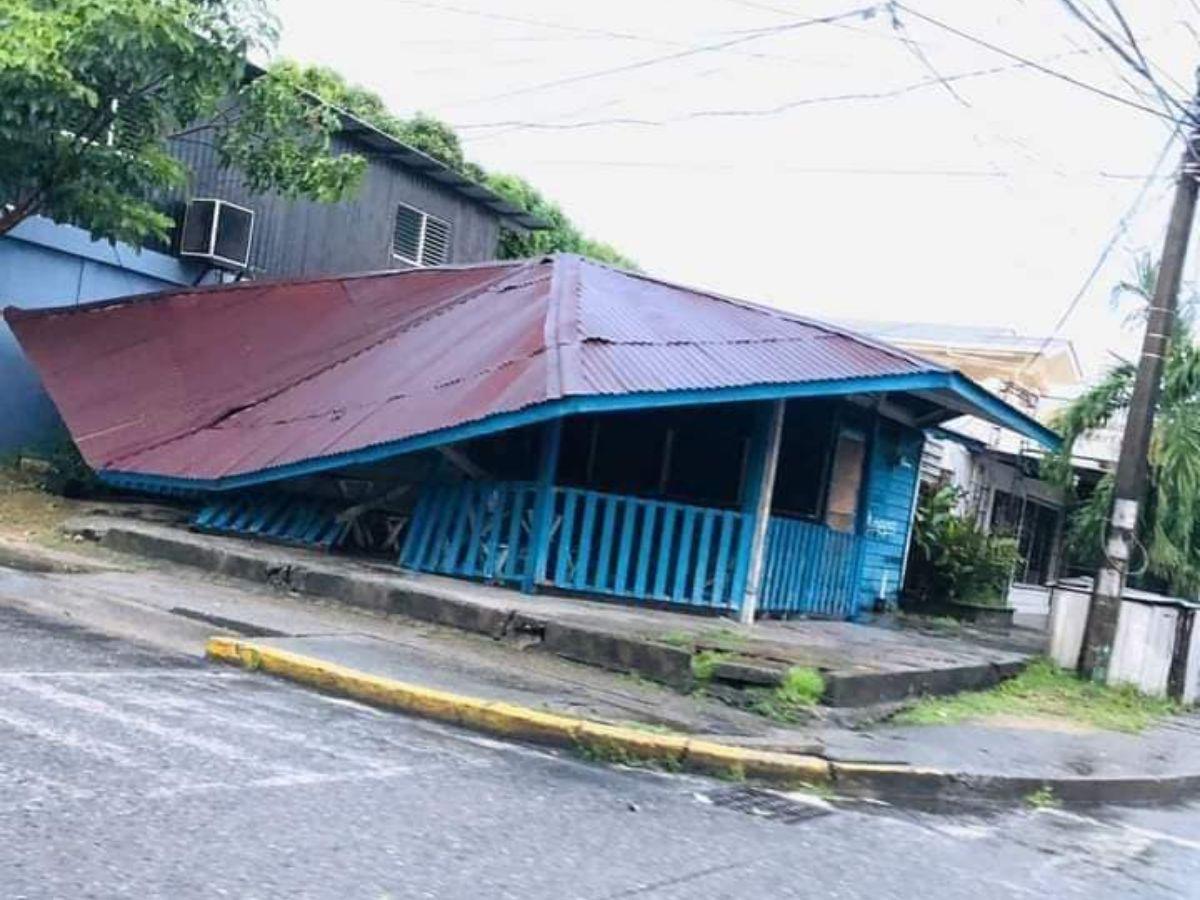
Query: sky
x=740 y=146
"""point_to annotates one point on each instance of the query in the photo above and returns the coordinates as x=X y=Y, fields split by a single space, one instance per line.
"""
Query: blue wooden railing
x=647 y=549
x=288 y=519
x=474 y=529
x=624 y=546
x=810 y=570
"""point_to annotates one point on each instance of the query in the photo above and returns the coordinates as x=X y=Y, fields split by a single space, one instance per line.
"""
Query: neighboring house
x=410 y=210
x=997 y=470
x=549 y=423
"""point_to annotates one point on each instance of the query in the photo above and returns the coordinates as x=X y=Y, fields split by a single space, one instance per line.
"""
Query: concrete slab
x=862 y=663
x=1170 y=749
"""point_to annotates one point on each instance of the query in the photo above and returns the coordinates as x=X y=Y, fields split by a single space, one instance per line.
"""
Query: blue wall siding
x=893 y=468
x=43 y=264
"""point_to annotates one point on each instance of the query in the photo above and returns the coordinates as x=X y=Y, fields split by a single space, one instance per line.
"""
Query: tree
x=1171 y=514
x=561 y=236
x=437 y=139
x=93 y=91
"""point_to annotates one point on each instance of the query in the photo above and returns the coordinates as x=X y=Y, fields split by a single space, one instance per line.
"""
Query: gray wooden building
x=410 y=210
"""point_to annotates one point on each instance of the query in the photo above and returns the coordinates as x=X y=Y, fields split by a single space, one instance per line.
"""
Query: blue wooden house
x=551 y=424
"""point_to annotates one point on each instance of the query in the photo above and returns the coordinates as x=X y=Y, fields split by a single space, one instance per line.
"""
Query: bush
x=956 y=558
x=66 y=473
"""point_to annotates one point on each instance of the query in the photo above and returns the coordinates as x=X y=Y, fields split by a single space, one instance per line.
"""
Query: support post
x=1132 y=474
x=543 y=510
x=760 y=487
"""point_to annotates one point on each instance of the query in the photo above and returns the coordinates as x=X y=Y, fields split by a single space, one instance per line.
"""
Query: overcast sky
x=726 y=143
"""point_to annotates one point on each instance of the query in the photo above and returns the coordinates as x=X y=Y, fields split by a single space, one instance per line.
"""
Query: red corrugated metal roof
x=218 y=382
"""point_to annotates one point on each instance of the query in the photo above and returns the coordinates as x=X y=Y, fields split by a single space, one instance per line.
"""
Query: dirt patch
x=1035 y=723
x=29 y=514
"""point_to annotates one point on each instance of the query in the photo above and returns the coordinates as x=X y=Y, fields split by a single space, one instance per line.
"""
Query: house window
x=1035 y=526
x=845 y=481
x=419 y=239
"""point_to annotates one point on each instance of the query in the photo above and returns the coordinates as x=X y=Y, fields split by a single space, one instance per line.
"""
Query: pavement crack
x=643 y=889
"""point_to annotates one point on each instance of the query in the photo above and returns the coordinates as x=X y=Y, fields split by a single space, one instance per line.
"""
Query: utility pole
x=1132 y=466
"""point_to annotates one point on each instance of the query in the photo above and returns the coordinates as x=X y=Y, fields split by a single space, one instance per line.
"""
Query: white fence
x=1155 y=647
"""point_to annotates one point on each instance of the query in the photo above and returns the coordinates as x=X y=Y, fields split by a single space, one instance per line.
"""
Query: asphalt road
x=126 y=772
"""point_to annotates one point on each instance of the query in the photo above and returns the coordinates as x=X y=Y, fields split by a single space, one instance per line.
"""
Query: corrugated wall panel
x=894 y=467
x=301 y=237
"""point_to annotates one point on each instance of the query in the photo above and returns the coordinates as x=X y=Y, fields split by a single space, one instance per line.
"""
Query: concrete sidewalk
x=861 y=664
x=918 y=764
x=174 y=606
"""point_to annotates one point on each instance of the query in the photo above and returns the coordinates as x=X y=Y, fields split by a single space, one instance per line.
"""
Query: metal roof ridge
x=752 y=306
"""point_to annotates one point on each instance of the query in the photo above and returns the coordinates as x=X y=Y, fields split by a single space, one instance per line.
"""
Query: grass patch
x=705 y=663
x=1042 y=798
x=1043 y=689
x=801 y=689
x=722 y=638
x=649 y=727
x=675 y=639
x=616 y=755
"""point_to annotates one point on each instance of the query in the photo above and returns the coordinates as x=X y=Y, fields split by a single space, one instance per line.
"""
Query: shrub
x=957 y=559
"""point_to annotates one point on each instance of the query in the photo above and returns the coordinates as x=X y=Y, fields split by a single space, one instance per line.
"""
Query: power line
x=865 y=11
x=777 y=109
x=585 y=30
x=1138 y=64
x=740 y=167
x=1062 y=76
x=1118 y=233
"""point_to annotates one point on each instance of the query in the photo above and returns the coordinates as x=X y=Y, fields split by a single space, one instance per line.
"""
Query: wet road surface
x=128 y=772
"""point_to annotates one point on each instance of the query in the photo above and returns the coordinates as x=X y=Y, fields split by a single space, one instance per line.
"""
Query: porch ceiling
x=222 y=387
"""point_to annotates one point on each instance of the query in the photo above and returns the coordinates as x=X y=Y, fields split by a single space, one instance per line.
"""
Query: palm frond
x=1087 y=412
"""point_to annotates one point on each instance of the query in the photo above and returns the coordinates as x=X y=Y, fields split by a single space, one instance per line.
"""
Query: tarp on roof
x=219 y=385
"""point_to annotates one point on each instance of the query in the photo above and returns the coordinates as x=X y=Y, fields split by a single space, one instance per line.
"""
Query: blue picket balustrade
x=617 y=545
x=810 y=570
x=645 y=549
x=295 y=520
x=474 y=529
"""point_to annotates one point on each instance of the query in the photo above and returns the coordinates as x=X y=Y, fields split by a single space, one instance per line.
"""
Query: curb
x=396 y=593
x=604 y=742
x=614 y=743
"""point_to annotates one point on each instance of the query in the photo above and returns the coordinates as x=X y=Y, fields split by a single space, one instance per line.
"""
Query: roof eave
x=975 y=399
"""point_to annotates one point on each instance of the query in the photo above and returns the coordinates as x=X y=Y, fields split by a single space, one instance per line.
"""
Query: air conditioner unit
x=217 y=231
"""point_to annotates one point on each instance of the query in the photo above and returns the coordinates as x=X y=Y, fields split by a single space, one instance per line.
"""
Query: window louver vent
x=436 y=249
x=419 y=239
x=406 y=239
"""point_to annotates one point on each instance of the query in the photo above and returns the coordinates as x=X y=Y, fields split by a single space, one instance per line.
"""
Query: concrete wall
x=42 y=265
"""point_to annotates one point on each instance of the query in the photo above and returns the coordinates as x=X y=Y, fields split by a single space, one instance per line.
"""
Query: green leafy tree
x=92 y=91
x=1170 y=517
x=562 y=235
x=437 y=139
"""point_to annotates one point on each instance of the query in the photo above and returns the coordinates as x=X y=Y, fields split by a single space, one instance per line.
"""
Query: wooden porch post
x=760 y=487
x=543 y=510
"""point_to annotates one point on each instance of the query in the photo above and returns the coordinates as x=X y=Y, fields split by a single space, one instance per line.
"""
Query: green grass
x=1042 y=798
x=1043 y=689
x=606 y=753
x=705 y=663
x=723 y=638
x=801 y=689
x=676 y=639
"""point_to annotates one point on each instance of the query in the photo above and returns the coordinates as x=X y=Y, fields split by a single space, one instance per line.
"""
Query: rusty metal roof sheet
x=216 y=385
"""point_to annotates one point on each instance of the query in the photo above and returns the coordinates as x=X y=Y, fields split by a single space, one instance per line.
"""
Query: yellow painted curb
x=615 y=742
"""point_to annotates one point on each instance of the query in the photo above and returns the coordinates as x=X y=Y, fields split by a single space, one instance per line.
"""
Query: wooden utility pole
x=1132 y=466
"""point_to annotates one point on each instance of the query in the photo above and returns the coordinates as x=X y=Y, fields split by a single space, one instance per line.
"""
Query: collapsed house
x=551 y=423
